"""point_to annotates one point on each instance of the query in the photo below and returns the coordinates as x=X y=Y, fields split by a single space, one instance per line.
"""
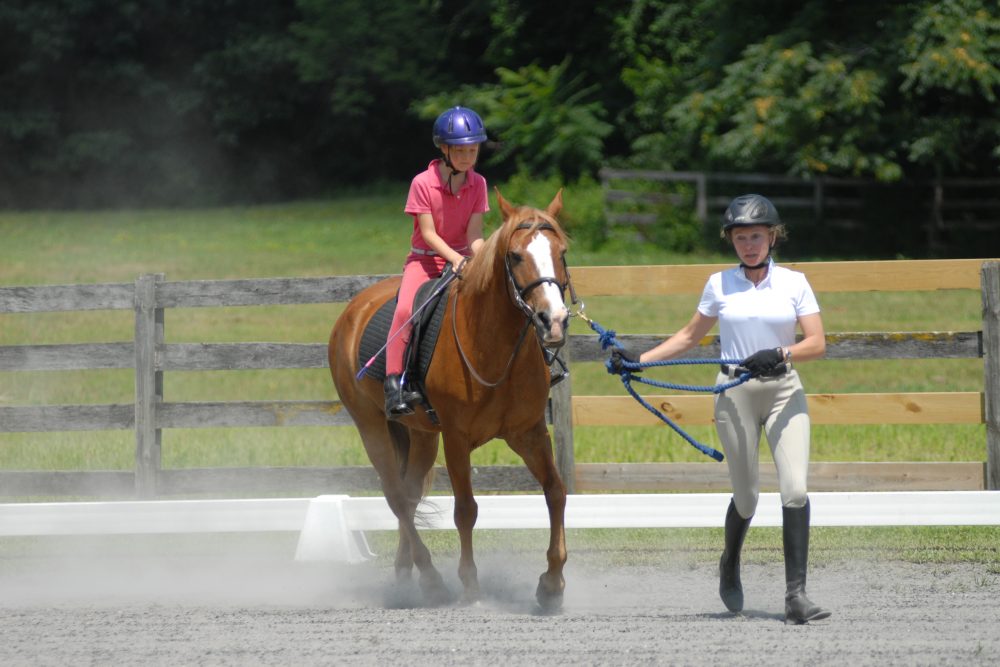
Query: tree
x=548 y=124
x=877 y=89
x=117 y=103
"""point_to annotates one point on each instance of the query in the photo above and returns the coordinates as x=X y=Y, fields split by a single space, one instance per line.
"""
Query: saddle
x=423 y=339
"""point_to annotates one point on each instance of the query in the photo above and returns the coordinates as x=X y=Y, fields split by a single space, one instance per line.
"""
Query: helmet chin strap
x=757 y=266
x=760 y=265
x=454 y=172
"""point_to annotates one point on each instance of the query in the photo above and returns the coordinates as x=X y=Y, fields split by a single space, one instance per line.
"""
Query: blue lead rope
x=607 y=339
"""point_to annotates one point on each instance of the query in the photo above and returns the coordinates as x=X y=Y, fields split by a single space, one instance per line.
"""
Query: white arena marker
x=326 y=536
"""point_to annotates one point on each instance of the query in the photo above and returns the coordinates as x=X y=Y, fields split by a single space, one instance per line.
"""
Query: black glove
x=769 y=362
x=618 y=355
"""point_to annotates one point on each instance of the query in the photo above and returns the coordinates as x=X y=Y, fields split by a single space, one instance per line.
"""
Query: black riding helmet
x=748 y=210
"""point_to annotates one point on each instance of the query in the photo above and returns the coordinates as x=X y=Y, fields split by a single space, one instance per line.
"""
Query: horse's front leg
x=457 y=451
x=535 y=447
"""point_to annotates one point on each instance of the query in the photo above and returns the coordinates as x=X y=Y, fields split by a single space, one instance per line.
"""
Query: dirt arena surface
x=266 y=609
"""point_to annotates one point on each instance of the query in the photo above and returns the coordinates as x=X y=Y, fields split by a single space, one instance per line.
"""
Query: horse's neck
x=492 y=311
x=493 y=324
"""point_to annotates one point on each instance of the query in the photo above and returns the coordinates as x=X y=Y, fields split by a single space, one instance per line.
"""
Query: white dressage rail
x=332 y=527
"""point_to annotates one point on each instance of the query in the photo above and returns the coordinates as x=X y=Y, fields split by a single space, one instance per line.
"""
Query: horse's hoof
x=550 y=598
x=549 y=604
x=471 y=596
x=436 y=594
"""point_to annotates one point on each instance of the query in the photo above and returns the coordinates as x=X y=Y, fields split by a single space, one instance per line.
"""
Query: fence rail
x=948 y=209
x=150 y=297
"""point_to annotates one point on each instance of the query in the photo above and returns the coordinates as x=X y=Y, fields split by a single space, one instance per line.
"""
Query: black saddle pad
x=425 y=335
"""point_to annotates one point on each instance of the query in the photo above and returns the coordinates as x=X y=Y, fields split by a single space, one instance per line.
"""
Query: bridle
x=517 y=294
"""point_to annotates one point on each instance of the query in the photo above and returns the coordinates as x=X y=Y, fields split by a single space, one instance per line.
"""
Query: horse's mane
x=488 y=262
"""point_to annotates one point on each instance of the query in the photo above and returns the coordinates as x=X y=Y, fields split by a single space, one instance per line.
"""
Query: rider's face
x=462 y=156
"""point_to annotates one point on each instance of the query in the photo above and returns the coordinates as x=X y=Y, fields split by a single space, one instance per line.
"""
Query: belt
x=432 y=253
x=735 y=371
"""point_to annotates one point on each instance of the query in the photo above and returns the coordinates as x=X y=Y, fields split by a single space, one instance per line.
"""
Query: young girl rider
x=758 y=306
x=447 y=202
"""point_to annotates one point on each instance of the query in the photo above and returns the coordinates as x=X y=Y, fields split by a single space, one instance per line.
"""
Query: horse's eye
x=516 y=258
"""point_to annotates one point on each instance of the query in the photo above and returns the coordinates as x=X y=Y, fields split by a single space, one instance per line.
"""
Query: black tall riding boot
x=730 y=586
x=798 y=608
x=395 y=405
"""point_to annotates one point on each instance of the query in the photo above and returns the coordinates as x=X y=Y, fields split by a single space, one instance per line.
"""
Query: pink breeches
x=415 y=273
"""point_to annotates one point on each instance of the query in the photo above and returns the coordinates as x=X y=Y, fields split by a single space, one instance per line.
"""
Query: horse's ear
x=505 y=208
x=555 y=205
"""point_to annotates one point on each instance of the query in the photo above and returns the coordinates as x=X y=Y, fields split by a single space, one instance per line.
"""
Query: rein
x=607 y=339
x=465 y=359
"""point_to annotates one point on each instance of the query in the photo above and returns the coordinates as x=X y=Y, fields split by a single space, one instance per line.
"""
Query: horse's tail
x=401 y=443
x=423 y=516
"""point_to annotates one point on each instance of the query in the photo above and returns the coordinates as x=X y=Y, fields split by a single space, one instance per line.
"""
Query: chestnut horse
x=487 y=380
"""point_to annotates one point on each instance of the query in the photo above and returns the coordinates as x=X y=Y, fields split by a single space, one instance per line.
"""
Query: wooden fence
x=941 y=209
x=151 y=296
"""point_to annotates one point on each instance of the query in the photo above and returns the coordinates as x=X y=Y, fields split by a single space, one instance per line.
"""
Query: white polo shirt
x=757 y=317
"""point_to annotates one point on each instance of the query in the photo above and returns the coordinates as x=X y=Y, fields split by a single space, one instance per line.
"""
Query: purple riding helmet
x=457 y=126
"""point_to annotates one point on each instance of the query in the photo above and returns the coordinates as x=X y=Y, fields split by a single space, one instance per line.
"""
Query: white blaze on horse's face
x=555 y=311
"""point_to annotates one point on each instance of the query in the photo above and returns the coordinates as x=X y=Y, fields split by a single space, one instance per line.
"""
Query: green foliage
x=882 y=90
x=548 y=124
x=583 y=204
x=951 y=66
x=673 y=222
x=187 y=102
x=954 y=46
x=783 y=107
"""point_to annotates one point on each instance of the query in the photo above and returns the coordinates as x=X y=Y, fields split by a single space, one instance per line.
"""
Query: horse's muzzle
x=551 y=332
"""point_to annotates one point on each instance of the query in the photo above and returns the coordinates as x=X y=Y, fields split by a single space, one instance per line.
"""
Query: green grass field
x=368 y=233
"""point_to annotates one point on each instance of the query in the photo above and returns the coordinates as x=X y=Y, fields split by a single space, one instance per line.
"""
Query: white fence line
x=332 y=527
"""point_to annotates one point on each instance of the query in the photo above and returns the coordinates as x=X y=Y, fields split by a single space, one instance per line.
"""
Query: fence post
x=701 y=205
x=562 y=425
x=148 y=384
x=819 y=199
x=990 y=277
x=936 y=222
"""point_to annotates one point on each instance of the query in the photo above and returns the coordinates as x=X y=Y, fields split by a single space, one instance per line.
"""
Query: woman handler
x=758 y=305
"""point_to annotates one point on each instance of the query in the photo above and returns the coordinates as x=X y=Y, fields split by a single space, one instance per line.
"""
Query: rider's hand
x=618 y=355
x=764 y=362
x=459 y=265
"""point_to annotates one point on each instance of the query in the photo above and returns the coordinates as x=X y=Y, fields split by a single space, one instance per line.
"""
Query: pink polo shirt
x=451 y=212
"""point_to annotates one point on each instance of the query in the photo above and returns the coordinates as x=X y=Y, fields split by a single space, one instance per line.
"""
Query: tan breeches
x=778 y=406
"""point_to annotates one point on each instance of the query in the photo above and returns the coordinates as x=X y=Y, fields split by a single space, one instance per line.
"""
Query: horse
x=486 y=380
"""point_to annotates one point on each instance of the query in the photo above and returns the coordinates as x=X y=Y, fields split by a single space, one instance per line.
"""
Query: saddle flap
x=420 y=350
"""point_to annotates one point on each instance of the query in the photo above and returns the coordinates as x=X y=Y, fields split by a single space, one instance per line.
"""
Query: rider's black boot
x=730 y=586
x=799 y=609
x=395 y=406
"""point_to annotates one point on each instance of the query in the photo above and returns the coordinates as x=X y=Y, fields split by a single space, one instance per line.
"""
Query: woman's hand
x=616 y=362
x=765 y=362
